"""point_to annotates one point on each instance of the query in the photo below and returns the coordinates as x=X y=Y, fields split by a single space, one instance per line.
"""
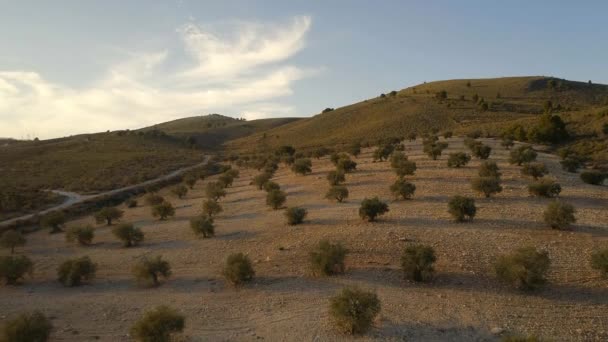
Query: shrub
x=107 y=215
x=354 y=310
x=372 y=208
x=234 y=173
x=214 y=191
x=488 y=169
x=545 y=187
x=147 y=271
x=534 y=170
x=411 y=136
x=288 y=160
x=321 y=152
x=238 y=269
x=211 y=208
x=346 y=165
x=74 y=272
x=599 y=261
x=593 y=177
x=261 y=179
x=462 y=208
x=302 y=166
x=163 y=210
x=180 y=190
x=571 y=164
x=525 y=268
x=14 y=268
x=190 y=181
x=270 y=185
x=482 y=151
x=132 y=203
x=417 y=262
x=434 y=150
x=559 y=215
x=285 y=150
x=522 y=154
x=157 y=325
x=11 y=239
x=337 y=192
x=154 y=199
x=275 y=198
x=336 y=177
x=401 y=165
x=507 y=143
x=328 y=258
x=225 y=180
x=128 y=234
x=54 y=220
x=27 y=327
x=402 y=188
x=382 y=152
x=448 y=134
x=83 y=235
x=295 y=215
x=486 y=185
x=355 y=148
x=458 y=159
x=550 y=129
x=203 y=226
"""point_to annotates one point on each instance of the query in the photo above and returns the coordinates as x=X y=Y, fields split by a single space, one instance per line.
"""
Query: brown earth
x=464 y=303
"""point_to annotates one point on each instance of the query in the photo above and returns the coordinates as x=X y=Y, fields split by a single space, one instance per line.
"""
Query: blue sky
x=70 y=67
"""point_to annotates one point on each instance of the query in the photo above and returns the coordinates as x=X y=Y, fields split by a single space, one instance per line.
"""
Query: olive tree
x=148 y=271
x=108 y=215
x=11 y=239
x=158 y=325
x=372 y=208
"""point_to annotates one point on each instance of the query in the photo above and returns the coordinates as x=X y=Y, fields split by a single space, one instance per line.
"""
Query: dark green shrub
x=355 y=148
x=544 y=187
x=599 y=261
x=401 y=165
x=190 y=181
x=157 y=325
x=488 y=169
x=270 y=185
x=214 y=191
x=14 y=268
x=550 y=129
x=337 y=192
x=128 y=234
x=295 y=215
x=82 y=235
x=383 y=152
x=147 y=271
x=458 y=159
x=154 y=199
x=302 y=166
x=411 y=136
x=525 y=268
x=74 y=272
x=203 y=226
x=559 y=215
x=211 y=208
x=225 y=180
x=434 y=149
x=448 y=134
x=571 y=164
x=522 y=154
x=261 y=179
x=402 y=188
x=238 y=269
x=507 y=143
x=486 y=185
x=288 y=160
x=53 y=220
x=462 y=208
x=534 y=170
x=354 y=310
x=27 y=327
x=482 y=151
x=593 y=177
x=108 y=214
x=163 y=210
x=285 y=150
x=11 y=239
x=276 y=199
x=180 y=190
x=336 y=177
x=321 y=152
x=372 y=208
x=346 y=165
x=132 y=203
x=328 y=258
x=417 y=262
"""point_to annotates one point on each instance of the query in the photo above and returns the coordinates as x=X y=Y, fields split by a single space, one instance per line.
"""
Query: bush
x=321 y=152
x=154 y=199
x=345 y=164
x=190 y=181
x=295 y=215
x=593 y=177
x=14 y=268
x=448 y=134
x=372 y=208
x=328 y=258
x=211 y=208
x=337 y=192
x=261 y=179
x=203 y=226
x=462 y=208
x=354 y=310
x=225 y=180
x=107 y=215
x=180 y=190
x=54 y=220
x=147 y=271
x=128 y=234
x=158 y=325
x=507 y=143
x=27 y=327
x=545 y=187
x=525 y=268
x=275 y=199
x=458 y=159
x=83 y=235
x=214 y=191
x=534 y=170
x=238 y=269
x=550 y=129
x=302 y=166
x=402 y=188
x=417 y=262
x=336 y=177
x=522 y=154
x=482 y=151
x=74 y=271
x=382 y=152
x=270 y=185
x=559 y=215
x=355 y=148
x=163 y=210
x=486 y=185
x=434 y=149
x=488 y=169
x=599 y=261
x=132 y=203
x=401 y=165
x=11 y=239
x=571 y=164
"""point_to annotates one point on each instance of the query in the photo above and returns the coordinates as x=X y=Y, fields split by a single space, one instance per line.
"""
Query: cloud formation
x=243 y=69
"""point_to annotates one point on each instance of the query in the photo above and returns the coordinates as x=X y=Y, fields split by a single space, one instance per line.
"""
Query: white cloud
x=245 y=68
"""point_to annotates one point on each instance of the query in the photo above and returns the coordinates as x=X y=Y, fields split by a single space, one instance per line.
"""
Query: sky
x=71 y=67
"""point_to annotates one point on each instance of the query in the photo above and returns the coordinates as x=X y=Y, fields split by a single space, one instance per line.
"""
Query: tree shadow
x=243 y=234
x=432 y=332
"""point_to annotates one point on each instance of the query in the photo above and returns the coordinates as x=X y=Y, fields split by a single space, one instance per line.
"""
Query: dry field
x=464 y=302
